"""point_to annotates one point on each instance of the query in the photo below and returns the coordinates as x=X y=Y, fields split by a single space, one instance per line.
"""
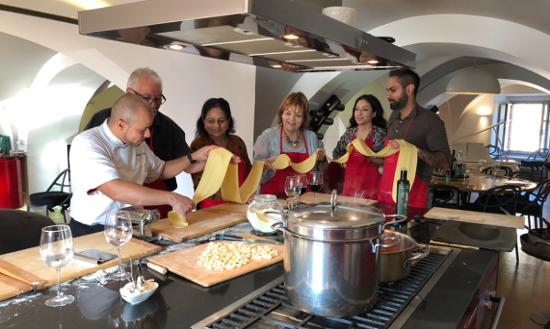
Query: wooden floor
x=525 y=285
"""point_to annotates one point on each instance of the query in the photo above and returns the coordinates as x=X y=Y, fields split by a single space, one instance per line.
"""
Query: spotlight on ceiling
x=473 y=81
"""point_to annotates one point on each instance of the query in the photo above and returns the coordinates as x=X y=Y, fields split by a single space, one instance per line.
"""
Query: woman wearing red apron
x=419 y=190
x=290 y=137
x=216 y=127
x=367 y=122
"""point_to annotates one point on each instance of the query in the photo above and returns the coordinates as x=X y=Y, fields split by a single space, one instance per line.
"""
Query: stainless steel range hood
x=282 y=34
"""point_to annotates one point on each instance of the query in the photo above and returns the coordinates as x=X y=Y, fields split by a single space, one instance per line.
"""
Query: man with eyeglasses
x=167 y=140
x=110 y=163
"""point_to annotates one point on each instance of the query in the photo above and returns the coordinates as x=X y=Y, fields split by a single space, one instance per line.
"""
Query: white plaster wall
x=188 y=80
x=519 y=45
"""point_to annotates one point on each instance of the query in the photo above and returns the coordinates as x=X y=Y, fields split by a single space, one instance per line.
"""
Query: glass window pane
x=524 y=127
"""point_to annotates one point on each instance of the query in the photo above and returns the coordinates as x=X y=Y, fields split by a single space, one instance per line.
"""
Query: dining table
x=478 y=182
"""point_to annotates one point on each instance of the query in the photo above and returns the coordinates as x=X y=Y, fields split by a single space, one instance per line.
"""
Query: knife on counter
x=222 y=237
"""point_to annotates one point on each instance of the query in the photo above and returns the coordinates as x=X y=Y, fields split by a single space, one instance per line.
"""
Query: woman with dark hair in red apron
x=291 y=138
x=216 y=127
x=367 y=122
x=419 y=189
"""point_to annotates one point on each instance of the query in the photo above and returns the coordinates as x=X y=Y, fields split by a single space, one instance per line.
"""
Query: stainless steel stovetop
x=269 y=308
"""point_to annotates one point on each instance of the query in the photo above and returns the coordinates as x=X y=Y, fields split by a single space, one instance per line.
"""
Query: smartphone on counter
x=94 y=256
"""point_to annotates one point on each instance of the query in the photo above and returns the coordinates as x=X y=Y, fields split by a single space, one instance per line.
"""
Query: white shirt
x=97 y=157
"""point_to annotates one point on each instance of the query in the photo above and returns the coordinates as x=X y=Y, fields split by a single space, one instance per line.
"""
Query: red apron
x=276 y=185
x=158 y=185
x=361 y=174
x=418 y=195
x=242 y=172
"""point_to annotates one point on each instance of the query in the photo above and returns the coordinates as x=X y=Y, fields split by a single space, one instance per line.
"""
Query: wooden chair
x=531 y=203
x=445 y=196
x=504 y=171
x=535 y=161
x=527 y=175
x=57 y=194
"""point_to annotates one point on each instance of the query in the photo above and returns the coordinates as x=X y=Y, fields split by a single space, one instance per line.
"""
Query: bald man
x=110 y=163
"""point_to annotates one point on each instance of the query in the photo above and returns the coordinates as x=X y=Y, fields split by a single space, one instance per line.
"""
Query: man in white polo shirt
x=110 y=163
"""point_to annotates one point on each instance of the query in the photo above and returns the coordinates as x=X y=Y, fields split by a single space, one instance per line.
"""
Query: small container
x=136 y=297
x=255 y=213
x=448 y=175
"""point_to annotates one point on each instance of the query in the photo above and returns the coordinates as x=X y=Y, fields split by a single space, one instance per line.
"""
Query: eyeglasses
x=150 y=100
x=212 y=121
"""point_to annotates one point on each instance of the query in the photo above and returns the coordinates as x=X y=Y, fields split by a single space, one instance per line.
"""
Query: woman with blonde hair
x=289 y=137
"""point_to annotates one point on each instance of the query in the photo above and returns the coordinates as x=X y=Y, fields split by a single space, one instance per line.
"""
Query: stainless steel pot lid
x=343 y=216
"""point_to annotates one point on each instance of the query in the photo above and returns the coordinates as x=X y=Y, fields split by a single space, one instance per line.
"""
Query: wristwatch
x=191 y=158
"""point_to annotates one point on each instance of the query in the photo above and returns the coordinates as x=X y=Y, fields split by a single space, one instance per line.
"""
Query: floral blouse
x=379 y=136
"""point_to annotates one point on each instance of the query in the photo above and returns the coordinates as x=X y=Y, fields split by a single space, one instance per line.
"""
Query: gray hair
x=143 y=73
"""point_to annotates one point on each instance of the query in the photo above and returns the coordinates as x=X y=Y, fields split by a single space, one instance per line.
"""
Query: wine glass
x=465 y=171
x=118 y=231
x=496 y=169
x=481 y=165
x=315 y=183
x=302 y=182
x=292 y=189
x=56 y=250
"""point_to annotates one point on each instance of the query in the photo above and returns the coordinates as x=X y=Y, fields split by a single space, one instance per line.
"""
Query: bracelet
x=191 y=160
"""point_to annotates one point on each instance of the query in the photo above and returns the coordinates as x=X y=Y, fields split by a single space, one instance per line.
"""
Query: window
x=526 y=128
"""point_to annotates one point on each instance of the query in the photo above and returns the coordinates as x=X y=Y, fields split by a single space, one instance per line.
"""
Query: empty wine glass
x=302 y=182
x=118 y=231
x=292 y=188
x=481 y=165
x=465 y=171
x=56 y=250
x=315 y=183
x=496 y=169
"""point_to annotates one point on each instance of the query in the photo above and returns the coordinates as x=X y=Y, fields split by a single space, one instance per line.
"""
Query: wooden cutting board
x=516 y=222
x=27 y=265
x=201 y=222
x=184 y=263
x=229 y=207
x=10 y=287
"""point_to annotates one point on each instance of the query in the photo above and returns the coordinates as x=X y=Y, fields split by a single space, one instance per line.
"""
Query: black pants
x=79 y=229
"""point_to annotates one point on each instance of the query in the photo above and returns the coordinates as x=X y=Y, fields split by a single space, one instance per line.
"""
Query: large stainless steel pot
x=396 y=261
x=331 y=257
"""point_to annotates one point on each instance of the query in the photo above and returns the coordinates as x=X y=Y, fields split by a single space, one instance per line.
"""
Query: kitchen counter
x=179 y=303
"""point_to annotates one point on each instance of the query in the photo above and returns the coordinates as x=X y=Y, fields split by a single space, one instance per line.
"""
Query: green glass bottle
x=403 y=188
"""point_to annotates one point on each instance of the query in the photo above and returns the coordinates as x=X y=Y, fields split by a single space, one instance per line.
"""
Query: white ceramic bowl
x=134 y=299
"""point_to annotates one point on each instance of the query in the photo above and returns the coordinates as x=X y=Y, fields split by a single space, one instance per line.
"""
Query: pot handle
x=279 y=226
x=282 y=219
x=395 y=241
x=418 y=256
x=401 y=218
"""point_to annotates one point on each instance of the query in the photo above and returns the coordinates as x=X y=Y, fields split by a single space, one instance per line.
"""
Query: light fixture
x=484 y=110
x=473 y=81
x=175 y=46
